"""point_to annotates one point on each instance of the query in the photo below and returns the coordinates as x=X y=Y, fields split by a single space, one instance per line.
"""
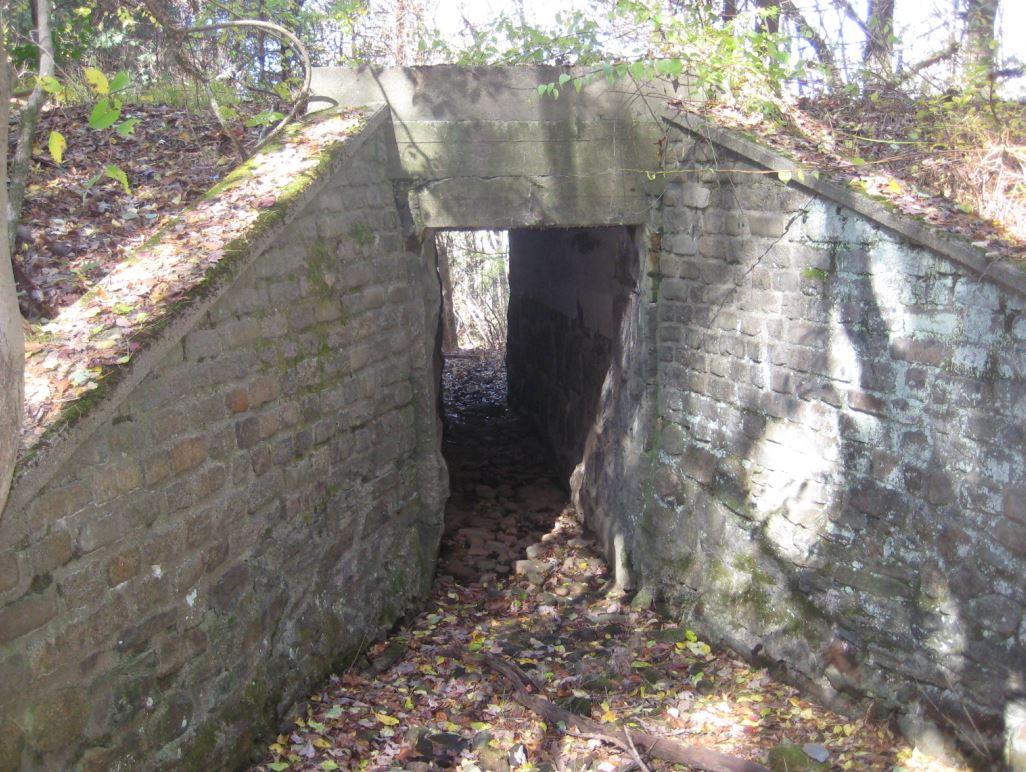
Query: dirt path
x=518 y=579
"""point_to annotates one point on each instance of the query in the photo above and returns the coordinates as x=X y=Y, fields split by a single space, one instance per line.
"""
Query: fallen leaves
x=965 y=178
x=433 y=706
x=118 y=294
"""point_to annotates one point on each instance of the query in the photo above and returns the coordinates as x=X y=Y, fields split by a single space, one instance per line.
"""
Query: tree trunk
x=980 y=18
x=12 y=344
x=879 y=50
x=450 y=341
x=772 y=22
x=823 y=51
x=21 y=164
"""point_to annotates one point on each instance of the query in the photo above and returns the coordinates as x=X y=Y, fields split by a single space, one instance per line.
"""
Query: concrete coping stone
x=954 y=247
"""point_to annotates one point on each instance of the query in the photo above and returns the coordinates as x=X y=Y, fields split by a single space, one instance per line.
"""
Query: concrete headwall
x=267 y=498
x=478 y=146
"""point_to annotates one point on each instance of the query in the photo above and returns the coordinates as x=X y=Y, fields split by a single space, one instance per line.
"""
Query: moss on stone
x=200 y=750
x=12 y=741
x=58 y=721
x=362 y=234
x=788 y=757
x=217 y=275
x=320 y=263
x=815 y=274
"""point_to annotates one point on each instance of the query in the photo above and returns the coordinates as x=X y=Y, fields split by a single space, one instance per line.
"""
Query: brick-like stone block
x=202 y=344
x=52 y=551
x=926 y=351
x=27 y=614
x=58 y=721
x=123 y=567
x=188 y=454
x=767 y=224
x=1013 y=504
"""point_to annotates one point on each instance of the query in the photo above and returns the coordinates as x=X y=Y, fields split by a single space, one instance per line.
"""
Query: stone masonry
x=791 y=415
x=806 y=436
x=267 y=499
x=838 y=461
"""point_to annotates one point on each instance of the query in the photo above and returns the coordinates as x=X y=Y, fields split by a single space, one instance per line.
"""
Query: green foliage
x=104 y=116
x=575 y=37
x=73 y=26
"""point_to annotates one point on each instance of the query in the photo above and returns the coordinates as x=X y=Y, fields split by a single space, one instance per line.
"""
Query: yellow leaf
x=386 y=719
x=608 y=717
x=278 y=749
x=893 y=186
x=97 y=80
x=849 y=729
x=320 y=742
x=57 y=144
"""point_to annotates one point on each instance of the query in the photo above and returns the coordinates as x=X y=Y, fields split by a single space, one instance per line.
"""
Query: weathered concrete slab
x=453 y=93
x=479 y=147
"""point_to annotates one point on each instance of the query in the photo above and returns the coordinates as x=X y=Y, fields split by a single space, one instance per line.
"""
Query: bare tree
x=21 y=164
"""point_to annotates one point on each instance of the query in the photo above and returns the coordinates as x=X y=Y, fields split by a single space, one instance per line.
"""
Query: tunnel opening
x=532 y=339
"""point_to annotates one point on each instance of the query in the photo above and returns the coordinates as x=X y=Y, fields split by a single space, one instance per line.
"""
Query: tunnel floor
x=520 y=584
x=504 y=496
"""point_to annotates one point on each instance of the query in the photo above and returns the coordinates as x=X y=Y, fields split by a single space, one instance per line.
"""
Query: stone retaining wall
x=802 y=428
x=575 y=334
x=263 y=502
x=838 y=463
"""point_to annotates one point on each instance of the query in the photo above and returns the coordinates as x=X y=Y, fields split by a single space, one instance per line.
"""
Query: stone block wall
x=568 y=290
x=267 y=499
x=838 y=463
x=573 y=364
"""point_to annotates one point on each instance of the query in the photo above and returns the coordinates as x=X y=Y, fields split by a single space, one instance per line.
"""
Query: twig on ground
x=657 y=747
x=634 y=751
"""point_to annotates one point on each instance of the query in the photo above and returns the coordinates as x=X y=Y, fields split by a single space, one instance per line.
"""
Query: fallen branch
x=657 y=747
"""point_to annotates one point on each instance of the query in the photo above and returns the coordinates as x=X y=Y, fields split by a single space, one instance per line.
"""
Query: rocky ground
x=521 y=623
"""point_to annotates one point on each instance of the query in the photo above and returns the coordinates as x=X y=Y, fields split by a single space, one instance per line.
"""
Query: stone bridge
x=794 y=417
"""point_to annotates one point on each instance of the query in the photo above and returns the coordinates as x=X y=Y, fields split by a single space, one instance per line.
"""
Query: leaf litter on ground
x=110 y=269
x=421 y=699
x=963 y=171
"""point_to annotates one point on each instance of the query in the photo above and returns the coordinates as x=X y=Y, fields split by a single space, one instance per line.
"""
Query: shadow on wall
x=573 y=364
x=841 y=415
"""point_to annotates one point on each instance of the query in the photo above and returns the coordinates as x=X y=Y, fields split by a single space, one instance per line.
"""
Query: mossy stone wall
x=839 y=461
x=266 y=500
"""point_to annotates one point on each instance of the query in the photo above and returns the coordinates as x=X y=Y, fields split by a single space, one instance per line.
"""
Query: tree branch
x=852 y=14
x=178 y=34
x=304 y=55
x=823 y=51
